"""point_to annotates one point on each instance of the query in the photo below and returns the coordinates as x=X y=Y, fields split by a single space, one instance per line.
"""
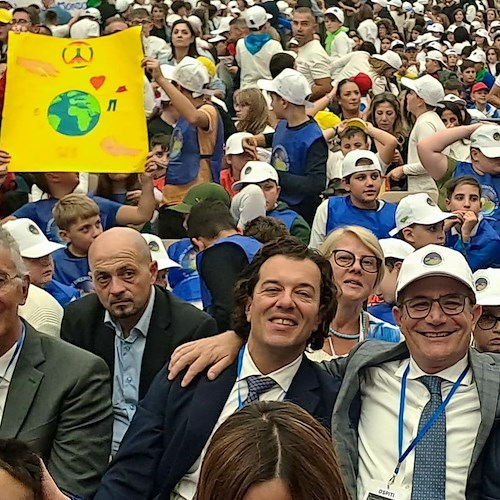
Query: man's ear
x=397 y=266
x=448 y=201
x=278 y=189
x=153 y=269
x=248 y=308
x=345 y=185
x=199 y=243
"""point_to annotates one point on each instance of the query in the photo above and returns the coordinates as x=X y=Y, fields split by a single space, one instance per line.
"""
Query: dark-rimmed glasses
x=345 y=259
x=5 y=279
x=420 y=307
x=487 y=321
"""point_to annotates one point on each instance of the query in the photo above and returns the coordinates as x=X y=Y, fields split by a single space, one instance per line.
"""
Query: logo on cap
x=433 y=259
x=496 y=136
x=248 y=170
x=33 y=229
x=153 y=246
x=430 y=202
x=404 y=219
x=481 y=284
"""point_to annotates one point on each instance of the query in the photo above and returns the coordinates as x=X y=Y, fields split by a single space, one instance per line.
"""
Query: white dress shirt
x=8 y=362
x=378 y=424
x=185 y=489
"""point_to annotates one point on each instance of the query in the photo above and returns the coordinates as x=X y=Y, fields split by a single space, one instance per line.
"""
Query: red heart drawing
x=97 y=81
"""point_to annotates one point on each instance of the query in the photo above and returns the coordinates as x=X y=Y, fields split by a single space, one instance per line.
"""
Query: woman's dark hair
x=368 y=47
x=104 y=187
x=341 y=84
x=270 y=440
x=364 y=12
x=192 y=51
x=177 y=5
x=17 y=460
x=461 y=35
x=450 y=106
x=293 y=249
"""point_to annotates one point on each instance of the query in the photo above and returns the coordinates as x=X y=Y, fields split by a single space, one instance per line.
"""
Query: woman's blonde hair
x=365 y=237
x=258 y=114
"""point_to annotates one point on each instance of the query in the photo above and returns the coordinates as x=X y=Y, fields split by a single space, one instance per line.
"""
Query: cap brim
x=167 y=70
x=394 y=231
x=182 y=208
x=429 y=272
x=491 y=300
x=426 y=221
x=166 y=263
x=490 y=152
x=408 y=83
x=266 y=85
x=41 y=250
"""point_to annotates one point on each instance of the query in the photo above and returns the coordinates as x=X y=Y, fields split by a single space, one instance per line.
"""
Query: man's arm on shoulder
x=82 y=444
x=131 y=475
x=205 y=328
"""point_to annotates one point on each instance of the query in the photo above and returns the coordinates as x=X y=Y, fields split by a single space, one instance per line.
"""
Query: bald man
x=129 y=322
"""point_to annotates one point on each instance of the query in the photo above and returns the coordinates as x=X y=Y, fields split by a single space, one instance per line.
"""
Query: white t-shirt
x=313 y=62
x=84 y=28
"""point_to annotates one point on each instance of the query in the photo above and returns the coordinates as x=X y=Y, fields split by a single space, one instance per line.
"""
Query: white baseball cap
x=256 y=17
x=418 y=8
x=487 y=139
x=290 y=85
x=411 y=45
x=122 y=5
x=435 y=45
x=397 y=43
x=224 y=26
x=351 y=165
x=435 y=28
x=435 y=55
x=192 y=75
x=336 y=12
x=450 y=52
x=407 y=6
x=487 y=285
x=427 y=88
x=426 y=38
x=454 y=99
x=33 y=244
x=434 y=260
x=217 y=38
x=93 y=13
x=476 y=25
x=254 y=172
x=451 y=29
x=195 y=23
x=395 y=248
x=477 y=56
x=158 y=252
x=395 y=3
x=234 y=143
x=482 y=33
x=389 y=57
x=282 y=6
x=418 y=208
x=382 y=3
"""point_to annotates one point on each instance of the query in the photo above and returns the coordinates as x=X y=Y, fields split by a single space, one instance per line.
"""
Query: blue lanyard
x=428 y=425
x=19 y=345
x=240 y=366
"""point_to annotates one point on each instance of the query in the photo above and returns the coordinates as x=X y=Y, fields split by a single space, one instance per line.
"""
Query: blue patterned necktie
x=257 y=385
x=429 y=472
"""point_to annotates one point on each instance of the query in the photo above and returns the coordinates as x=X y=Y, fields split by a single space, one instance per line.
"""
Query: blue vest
x=287 y=216
x=383 y=311
x=184 y=281
x=490 y=187
x=341 y=212
x=290 y=148
x=72 y=271
x=185 y=157
x=249 y=245
x=64 y=294
x=483 y=249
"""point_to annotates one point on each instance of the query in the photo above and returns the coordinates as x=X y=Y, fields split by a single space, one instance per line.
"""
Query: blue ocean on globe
x=74 y=113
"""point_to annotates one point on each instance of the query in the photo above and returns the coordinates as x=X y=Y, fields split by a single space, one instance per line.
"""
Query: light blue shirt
x=127 y=370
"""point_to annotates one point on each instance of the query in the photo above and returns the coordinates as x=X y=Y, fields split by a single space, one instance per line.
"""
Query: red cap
x=479 y=86
x=363 y=81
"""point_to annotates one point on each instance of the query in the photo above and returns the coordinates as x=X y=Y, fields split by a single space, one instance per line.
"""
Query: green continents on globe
x=74 y=113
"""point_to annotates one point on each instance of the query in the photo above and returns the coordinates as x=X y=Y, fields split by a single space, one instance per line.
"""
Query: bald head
x=117 y=240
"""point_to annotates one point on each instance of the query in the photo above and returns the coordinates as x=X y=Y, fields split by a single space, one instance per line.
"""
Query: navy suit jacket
x=173 y=424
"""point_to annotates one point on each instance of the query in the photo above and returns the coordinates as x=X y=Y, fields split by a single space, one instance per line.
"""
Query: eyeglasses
x=487 y=321
x=137 y=22
x=22 y=22
x=345 y=259
x=5 y=279
x=420 y=307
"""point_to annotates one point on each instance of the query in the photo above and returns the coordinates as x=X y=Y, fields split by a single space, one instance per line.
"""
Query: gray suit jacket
x=345 y=418
x=59 y=403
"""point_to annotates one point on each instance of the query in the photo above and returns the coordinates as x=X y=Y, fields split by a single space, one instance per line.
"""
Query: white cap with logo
x=487 y=139
x=336 y=12
x=435 y=28
x=434 y=260
x=487 y=284
x=234 y=143
x=418 y=209
x=256 y=17
x=395 y=248
x=290 y=85
x=192 y=75
x=435 y=55
x=477 y=56
x=254 y=172
x=427 y=88
x=158 y=252
x=351 y=164
x=389 y=57
x=33 y=244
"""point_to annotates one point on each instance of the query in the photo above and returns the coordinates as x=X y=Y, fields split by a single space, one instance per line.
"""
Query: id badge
x=378 y=490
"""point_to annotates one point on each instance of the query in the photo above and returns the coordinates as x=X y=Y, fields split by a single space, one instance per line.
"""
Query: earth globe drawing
x=74 y=113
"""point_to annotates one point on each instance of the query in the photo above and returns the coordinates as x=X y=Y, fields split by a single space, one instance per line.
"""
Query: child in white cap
x=160 y=255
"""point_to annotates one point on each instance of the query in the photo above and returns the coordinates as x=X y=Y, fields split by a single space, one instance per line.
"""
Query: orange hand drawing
x=40 y=68
x=112 y=147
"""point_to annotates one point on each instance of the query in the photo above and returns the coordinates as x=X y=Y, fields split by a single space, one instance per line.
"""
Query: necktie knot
x=432 y=383
x=258 y=385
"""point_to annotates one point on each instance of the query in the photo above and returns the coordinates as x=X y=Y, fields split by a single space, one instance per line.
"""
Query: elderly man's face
x=437 y=340
x=122 y=277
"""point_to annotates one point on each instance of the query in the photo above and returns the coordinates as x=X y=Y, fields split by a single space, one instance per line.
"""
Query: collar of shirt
x=449 y=374
x=283 y=377
x=7 y=358
x=142 y=326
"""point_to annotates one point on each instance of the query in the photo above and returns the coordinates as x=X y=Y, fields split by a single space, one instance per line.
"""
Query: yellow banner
x=75 y=105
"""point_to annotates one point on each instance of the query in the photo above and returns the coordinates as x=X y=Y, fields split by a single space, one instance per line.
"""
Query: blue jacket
x=172 y=425
x=64 y=294
x=383 y=311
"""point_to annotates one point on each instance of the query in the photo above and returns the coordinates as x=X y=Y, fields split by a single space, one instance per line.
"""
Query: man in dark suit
x=285 y=300
x=130 y=323
x=53 y=396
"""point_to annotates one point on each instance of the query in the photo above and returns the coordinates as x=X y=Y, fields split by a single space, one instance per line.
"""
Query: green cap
x=202 y=192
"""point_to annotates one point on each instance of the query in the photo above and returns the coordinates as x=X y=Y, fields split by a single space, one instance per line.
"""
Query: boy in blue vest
x=78 y=218
x=299 y=149
x=36 y=251
x=259 y=187
x=420 y=222
x=362 y=178
x=484 y=165
x=471 y=235
x=223 y=254
x=395 y=251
